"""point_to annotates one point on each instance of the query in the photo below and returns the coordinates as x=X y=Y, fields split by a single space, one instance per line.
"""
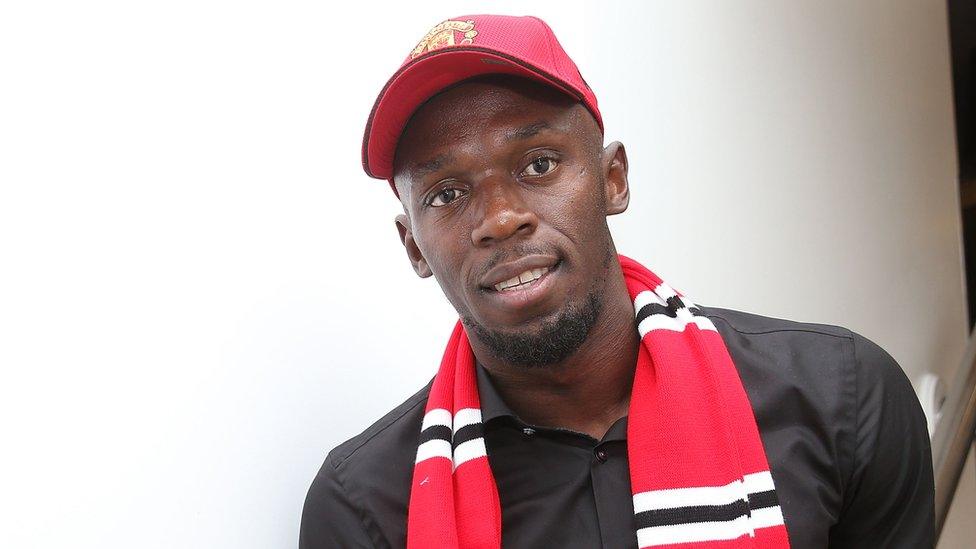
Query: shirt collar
x=492 y=407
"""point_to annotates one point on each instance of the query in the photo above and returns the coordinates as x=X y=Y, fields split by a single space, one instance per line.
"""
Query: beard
x=553 y=342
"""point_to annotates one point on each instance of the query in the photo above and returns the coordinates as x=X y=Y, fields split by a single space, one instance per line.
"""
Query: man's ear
x=413 y=252
x=615 y=170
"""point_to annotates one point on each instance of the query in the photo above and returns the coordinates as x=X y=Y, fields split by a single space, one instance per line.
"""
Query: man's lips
x=525 y=298
x=523 y=270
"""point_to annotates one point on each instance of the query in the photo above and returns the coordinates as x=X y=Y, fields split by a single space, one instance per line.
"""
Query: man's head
x=506 y=185
x=502 y=177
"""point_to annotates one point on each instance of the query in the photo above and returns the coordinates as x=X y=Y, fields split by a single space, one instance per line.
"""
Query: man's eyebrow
x=526 y=132
x=421 y=169
x=432 y=165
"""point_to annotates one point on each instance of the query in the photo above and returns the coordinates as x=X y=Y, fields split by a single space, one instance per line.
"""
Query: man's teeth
x=524 y=278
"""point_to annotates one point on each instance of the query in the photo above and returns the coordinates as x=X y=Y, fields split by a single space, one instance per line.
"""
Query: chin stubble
x=555 y=341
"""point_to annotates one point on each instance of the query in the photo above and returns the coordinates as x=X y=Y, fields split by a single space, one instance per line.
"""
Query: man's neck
x=588 y=391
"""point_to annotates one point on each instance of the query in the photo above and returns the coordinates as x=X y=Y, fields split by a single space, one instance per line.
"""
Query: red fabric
x=523 y=46
x=691 y=434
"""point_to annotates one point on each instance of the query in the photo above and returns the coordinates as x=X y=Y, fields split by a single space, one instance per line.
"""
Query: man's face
x=506 y=192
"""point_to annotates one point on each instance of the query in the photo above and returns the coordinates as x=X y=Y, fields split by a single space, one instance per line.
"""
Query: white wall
x=195 y=268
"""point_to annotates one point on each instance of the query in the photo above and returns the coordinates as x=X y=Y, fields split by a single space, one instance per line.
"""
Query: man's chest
x=560 y=489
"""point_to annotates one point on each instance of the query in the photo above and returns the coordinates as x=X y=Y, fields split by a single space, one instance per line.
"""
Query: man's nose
x=505 y=214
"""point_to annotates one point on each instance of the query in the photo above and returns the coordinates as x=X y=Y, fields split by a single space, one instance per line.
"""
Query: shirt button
x=528 y=431
x=601 y=456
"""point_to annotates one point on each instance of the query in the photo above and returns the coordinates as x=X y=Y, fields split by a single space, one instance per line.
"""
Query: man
x=581 y=402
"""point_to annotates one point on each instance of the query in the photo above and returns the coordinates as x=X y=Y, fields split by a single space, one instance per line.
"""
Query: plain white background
x=201 y=293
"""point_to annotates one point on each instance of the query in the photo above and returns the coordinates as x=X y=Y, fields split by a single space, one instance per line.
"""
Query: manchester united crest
x=443 y=34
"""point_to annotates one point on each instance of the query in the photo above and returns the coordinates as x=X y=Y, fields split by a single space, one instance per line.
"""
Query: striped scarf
x=698 y=471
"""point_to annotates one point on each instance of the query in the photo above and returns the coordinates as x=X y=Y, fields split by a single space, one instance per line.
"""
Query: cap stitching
x=549 y=38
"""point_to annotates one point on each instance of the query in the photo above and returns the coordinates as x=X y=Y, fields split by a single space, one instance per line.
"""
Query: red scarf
x=698 y=470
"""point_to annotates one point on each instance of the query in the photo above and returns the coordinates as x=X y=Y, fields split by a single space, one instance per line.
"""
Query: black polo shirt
x=844 y=434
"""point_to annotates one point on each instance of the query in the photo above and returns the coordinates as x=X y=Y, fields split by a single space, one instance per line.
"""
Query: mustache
x=518 y=250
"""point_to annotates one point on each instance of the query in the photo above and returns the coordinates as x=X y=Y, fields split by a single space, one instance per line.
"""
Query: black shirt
x=844 y=434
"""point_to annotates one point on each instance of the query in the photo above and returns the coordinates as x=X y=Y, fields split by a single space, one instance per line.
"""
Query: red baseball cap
x=461 y=48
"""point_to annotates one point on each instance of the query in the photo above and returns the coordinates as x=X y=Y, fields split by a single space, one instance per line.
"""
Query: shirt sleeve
x=889 y=498
x=329 y=518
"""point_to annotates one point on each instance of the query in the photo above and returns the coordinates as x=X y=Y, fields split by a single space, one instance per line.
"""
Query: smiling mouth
x=522 y=281
x=527 y=292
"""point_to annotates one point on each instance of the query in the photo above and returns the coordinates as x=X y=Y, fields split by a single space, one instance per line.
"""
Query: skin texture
x=499 y=174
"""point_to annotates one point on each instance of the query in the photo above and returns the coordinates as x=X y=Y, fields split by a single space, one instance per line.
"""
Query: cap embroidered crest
x=443 y=35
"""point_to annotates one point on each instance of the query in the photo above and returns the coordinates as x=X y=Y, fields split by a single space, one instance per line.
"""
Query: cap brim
x=419 y=80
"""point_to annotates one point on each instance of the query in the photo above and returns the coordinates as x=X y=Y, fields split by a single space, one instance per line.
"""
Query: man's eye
x=540 y=166
x=444 y=197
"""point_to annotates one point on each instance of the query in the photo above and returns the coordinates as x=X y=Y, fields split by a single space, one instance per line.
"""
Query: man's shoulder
x=381 y=438
x=790 y=365
x=781 y=345
x=359 y=496
x=747 y=323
